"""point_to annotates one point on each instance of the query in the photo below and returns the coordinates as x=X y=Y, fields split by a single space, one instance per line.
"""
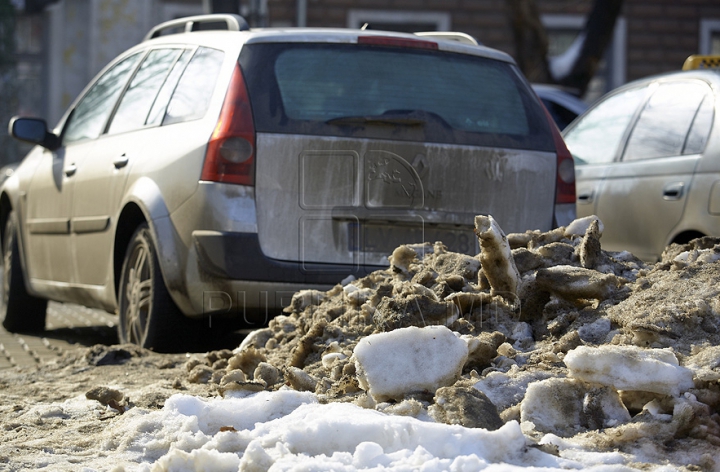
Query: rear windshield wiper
x=381 y=120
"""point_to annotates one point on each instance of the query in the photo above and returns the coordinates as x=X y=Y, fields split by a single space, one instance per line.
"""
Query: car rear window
x=392 y=93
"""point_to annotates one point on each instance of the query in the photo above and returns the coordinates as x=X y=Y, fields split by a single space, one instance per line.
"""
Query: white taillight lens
x=236 y=150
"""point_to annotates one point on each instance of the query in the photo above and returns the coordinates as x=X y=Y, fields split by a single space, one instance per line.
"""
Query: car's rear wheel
x=21 y=311
x=148 y=316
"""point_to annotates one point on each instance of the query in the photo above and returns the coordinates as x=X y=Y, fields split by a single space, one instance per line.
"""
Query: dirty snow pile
x=541 y=351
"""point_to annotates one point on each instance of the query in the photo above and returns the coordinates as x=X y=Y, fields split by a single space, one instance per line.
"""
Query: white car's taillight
x=230 y=156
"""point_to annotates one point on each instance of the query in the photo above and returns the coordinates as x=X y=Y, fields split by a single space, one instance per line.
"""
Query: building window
x=405 y=21
x=709 y=36
x=563 y=30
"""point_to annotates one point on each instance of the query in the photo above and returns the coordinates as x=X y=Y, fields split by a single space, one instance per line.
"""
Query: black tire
x=21 y=312
x=148 y=316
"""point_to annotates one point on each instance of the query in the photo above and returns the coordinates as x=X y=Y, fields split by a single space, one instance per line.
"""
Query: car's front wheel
x=148 y=316
x=21 y=311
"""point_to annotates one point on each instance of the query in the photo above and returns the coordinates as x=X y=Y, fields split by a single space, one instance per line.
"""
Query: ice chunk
x=580 y=226
x=595 y=332
x=566 y=407
x=496 y=258
x=412 y=359
x=571 y=283
x=508 y=389
x=630 y=368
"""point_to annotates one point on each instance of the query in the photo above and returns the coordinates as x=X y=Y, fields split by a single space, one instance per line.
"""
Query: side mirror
x=33 y=130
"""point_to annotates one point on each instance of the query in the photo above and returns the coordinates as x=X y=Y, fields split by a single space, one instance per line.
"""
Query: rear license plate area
x=384 y=238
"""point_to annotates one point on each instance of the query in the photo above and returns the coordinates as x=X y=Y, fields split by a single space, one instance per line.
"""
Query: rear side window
x=143 y=89
x=382 y=92
x=596 y=137
x=157 y=113
x=191 y=97
x=700 y=130
x=664 y=122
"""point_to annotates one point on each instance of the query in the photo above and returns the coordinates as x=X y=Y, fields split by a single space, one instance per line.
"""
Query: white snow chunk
x=288 y=430
x=579 y=227
x=508 y=389
x=566 y=407
x=412 y=359
x=350 y=278
x=700 y=255
x=595 y=332
x=329 y=359
x=630 y=368
x=705 y=364
x=523 y=336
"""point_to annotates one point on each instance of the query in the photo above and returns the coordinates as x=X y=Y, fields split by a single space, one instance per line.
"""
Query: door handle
x=586 y=197
x=70 y=170
x=673 y=191
x=121 y=161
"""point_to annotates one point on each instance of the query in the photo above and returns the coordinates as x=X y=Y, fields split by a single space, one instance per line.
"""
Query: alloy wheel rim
x=7 y=267
x=138 y=295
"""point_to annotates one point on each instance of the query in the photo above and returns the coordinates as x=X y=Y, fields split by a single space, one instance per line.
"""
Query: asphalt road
x=67 y=327
x=70 y=326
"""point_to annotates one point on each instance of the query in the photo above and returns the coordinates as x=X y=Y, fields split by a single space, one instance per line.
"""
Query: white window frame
x=619 y=40
x=707 y=28
x=357 y=18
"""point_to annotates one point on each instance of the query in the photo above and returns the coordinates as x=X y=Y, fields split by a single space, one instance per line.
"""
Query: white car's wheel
x=148 y=316
x=21 y=312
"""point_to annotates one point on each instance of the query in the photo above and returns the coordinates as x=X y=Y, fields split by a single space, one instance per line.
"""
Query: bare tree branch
x=597 y=35
x=531 y=43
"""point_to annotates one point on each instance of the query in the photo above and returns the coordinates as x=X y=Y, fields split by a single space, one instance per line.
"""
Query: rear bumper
x=228 y=276
x=238 y=256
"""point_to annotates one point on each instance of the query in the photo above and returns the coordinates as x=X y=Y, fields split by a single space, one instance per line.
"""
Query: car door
x=596 y=142
x=103 y=173
x=643 y=196
x=50 y=193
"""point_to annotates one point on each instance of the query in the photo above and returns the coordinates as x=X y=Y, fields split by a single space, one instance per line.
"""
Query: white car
x=647 y=157
x=212 y=173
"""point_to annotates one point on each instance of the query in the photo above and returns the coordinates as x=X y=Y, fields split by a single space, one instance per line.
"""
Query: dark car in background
x=563 y=106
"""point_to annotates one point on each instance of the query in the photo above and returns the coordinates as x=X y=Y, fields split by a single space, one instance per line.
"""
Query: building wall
x=659 y=34
x=85 y=35
x=662 y=33
x=654 y=36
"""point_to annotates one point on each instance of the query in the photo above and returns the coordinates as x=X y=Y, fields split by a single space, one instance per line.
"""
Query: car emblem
x=420 y=165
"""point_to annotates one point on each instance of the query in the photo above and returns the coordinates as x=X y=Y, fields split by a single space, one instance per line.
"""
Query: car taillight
x=397 y=42
x=565 y=180
x=230 y=156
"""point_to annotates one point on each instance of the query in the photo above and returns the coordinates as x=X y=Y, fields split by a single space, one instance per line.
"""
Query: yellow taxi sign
x=697 y=61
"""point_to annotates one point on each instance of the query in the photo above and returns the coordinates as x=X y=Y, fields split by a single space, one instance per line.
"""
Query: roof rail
x=697 y=61
x=463 y=38
x=233 y=23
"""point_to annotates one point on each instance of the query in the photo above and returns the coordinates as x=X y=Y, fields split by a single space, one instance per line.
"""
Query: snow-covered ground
x=291 y=430
x=542 y=353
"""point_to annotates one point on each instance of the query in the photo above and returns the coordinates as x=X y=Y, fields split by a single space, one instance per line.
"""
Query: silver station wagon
x=209 y=174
